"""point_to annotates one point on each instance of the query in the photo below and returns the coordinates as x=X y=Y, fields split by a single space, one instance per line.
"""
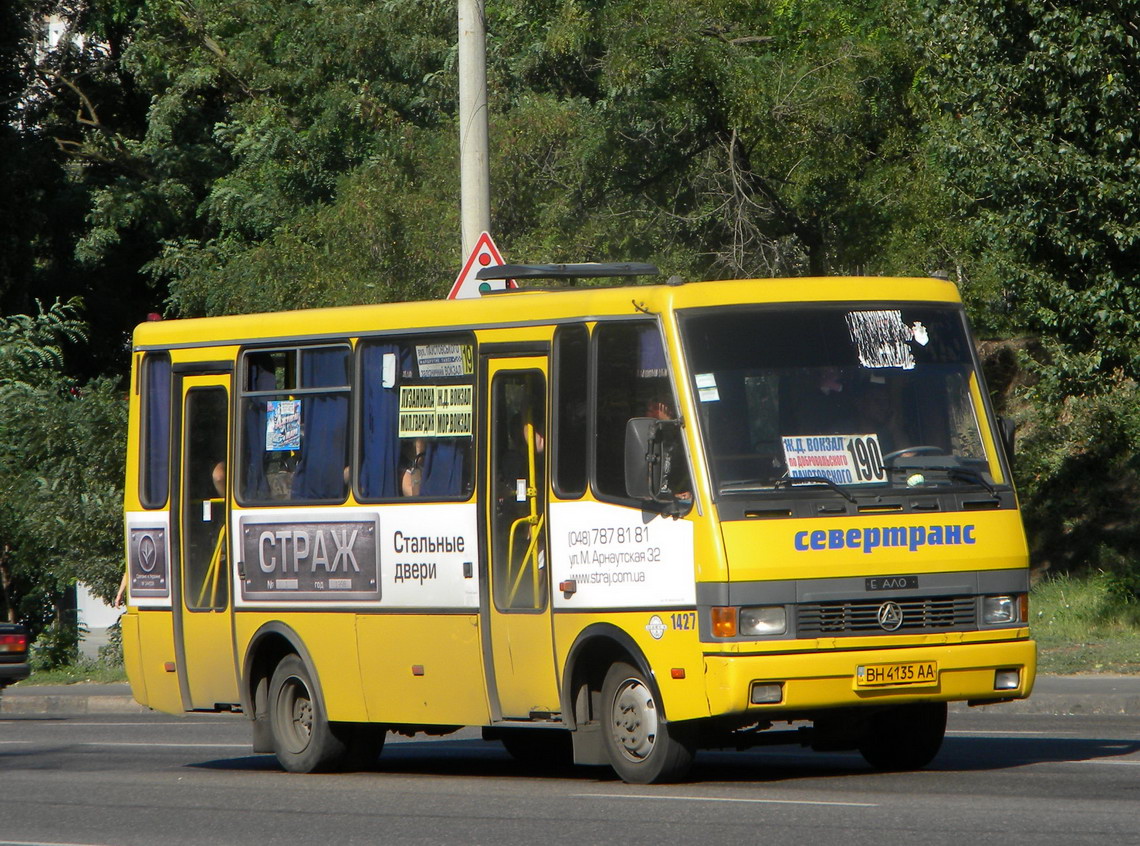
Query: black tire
x=302 y=737
x=904 y=738
x=642 y=746
x=553 y=748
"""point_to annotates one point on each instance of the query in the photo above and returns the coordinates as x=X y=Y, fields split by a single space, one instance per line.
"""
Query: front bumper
x=818 y=680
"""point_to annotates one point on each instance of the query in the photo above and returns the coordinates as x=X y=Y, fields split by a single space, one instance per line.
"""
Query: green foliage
x=83 y=670
x=56 y=645
x=718 y=138
x=1035 y=140
x=31 y=346
x=1087 y=624
x=1038 y=139
x=110 y=654
x=1079 y=467
x=60 y=484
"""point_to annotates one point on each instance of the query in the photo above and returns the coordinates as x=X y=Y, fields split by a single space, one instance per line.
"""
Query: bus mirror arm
x=644 y=465
x=642 y=458
x=1007 y=429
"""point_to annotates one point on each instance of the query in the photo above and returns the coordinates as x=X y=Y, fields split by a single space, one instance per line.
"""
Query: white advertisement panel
x=618 y=557
x=395 y=556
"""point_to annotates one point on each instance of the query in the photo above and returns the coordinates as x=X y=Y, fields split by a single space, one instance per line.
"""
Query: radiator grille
x=950 y=613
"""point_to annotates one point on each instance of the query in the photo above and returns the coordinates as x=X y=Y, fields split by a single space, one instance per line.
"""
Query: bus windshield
x=837 y=396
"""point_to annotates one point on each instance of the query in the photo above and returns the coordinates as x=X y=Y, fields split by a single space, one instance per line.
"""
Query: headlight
x=997 y=610
x=770 y=620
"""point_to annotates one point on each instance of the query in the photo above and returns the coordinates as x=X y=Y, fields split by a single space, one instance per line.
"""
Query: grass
x=1081 y=625
x=84 y=670
x=1085 y=625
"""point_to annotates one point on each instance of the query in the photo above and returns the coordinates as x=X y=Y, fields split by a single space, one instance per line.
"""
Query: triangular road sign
x=484 y=254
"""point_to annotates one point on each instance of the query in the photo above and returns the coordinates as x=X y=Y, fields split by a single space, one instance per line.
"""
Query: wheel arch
x=594 y=650
x=269 y=644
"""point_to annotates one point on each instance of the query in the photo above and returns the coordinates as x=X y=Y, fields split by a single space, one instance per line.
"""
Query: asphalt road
x=146 y=778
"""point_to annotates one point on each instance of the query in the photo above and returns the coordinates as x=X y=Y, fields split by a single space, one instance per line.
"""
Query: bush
x=56 y=646
x=111 y=653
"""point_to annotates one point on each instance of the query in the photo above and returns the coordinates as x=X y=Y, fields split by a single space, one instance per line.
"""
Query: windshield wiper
x=790 y=482
x=955 y=472
x=965 y=474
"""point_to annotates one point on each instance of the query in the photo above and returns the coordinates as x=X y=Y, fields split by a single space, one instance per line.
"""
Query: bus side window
x=155 y=458
x=416 y=420
x=294 y=425
x=570 y=441
x=632 y=379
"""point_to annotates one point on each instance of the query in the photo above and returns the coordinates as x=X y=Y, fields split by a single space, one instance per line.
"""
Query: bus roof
x=523 y=306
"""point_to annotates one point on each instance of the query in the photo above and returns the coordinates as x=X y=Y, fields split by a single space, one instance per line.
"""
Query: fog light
x=767 y=693
x=997 y=610
x=771 y=620
x=1007 y=679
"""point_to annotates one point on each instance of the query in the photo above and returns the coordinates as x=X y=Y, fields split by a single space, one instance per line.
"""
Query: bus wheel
x=642 y=747
x=302 y=738
x=904 y=738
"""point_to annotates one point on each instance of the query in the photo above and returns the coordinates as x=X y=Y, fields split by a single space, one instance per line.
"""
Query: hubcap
x=297 y=709
x=634 y=720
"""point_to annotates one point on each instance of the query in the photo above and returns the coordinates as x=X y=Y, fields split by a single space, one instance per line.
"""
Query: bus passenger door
x=522 y=679
x=203 y=624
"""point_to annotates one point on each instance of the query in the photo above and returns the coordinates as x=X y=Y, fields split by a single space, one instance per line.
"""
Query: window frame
x=244 y=394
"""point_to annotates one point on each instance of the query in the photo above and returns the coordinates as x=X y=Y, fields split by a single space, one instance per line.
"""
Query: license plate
x=888 y=675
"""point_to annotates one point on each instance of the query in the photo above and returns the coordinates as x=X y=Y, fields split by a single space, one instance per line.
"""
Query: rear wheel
x=642 y=747
x=904 y=738
x=302 y=737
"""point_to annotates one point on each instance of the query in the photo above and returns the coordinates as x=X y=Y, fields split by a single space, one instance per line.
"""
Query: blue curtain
x=443 y=473
x=324 y=428
x=156 y=462
x=650 y=353
x=379 y=446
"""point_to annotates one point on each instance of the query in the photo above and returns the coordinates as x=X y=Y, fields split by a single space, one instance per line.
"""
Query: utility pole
x=474 y=167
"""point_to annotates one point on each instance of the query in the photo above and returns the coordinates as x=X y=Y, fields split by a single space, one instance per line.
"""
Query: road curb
x=1061 y=705
x=59 y=704
x=1055 y=695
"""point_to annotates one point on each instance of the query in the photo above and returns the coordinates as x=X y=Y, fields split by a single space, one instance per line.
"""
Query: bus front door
x=203 y=623
x=523 y=679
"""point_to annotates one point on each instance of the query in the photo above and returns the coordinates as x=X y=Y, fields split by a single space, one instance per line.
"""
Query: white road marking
x=723 y=799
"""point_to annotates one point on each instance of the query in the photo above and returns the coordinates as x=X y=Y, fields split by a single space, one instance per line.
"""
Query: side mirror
x=1007 y=430
x=642 y=458
x=648 y=466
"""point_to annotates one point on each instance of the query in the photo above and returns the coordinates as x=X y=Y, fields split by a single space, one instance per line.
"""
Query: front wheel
x=642 y=747
x=904 y=738
x=302 y=737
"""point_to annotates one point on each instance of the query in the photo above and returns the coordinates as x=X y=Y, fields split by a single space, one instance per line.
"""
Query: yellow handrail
x=535 y=520
x=213 y=572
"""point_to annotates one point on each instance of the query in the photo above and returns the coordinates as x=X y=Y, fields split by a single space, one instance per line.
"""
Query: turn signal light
x=724 y=622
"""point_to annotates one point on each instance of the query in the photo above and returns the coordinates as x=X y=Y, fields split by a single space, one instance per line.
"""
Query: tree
x=722 y=138
x=1038 y=143
x=60 y=484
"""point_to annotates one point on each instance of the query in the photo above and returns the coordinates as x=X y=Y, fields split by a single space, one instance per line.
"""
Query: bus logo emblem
x=148 y=553
x=890 y=616
x=656 y=627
